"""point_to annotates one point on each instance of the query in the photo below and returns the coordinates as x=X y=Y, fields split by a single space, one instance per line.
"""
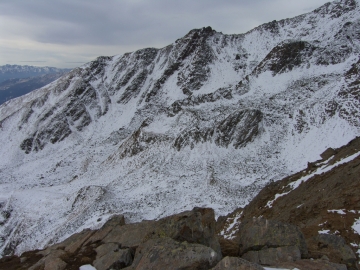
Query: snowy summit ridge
x=205 y=121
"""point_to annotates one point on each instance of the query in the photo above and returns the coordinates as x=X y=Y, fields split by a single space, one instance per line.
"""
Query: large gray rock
x=111 y=256
x=52 y=260
x=131 y=235
x=234 y=263
x=273 y=256
x=312 y=265
x=259 y=234
x=55 y=264
x=166 y=253
x=73 y=243
x=113 y=222
x=195 y=226
x=334 y=247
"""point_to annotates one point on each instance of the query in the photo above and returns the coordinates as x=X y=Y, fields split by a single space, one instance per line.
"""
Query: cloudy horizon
x=67 y=33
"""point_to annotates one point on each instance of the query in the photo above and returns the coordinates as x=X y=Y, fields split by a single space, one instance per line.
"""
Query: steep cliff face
x=207 y=121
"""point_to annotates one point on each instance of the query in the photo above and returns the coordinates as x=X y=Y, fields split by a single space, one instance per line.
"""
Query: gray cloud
x=133 y=24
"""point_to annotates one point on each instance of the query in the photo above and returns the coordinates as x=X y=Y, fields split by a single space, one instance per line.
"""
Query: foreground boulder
x=112 y=256
x=269 y=242
x=196 y=226
x=334 y=247
x=273 y=256
x=307 y=264
x=234 y=263
x=282 y=245
x=185 y=239
x=166 y=253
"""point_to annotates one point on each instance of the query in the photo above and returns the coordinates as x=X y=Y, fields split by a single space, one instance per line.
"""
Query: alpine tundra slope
x=206 y=121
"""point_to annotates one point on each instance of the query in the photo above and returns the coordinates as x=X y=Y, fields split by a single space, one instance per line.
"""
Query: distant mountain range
x=17 y=71
x=16 y=80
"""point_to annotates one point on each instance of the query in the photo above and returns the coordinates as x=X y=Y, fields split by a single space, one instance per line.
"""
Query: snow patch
x=232 y=226
x=340 y=212
x=87 y=267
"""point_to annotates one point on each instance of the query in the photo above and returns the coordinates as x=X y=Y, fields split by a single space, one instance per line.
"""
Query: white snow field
x=107 y=138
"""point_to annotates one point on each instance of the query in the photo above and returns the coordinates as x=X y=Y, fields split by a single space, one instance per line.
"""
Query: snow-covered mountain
x=205 y=121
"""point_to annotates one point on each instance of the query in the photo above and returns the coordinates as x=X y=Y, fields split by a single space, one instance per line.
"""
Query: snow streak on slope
x=205 y=121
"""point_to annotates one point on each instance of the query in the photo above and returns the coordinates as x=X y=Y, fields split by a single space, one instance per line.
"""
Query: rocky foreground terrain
x=309 y=220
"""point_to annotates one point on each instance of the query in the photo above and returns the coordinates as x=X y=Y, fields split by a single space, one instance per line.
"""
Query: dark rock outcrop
x=285 y=57
x=237 y=129
x=222 y=93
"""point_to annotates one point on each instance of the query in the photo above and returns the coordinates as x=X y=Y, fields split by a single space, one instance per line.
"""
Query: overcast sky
x=67 y=33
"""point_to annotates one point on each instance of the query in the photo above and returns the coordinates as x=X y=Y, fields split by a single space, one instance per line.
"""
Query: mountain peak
x=208 y=120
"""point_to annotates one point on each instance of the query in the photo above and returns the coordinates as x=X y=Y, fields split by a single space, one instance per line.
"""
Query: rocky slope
x=208 y=120
x=322 y=200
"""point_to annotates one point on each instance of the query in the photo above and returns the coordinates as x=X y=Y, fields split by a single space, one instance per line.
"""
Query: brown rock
x=229 y=247
x=55 y=264
x=313 y=265
x=113 y=245
x=53 y=259
x=234 y=263
x=328 y=153
x=131 y=235
x=110 y=256
x=166 y=253
x=74 y=242
x=334 y=247
x=106 y=248
x=115 y=221
x=309 y=206
x=273 y=256
x=196 y=226
x=259 y=233
x=71 y=244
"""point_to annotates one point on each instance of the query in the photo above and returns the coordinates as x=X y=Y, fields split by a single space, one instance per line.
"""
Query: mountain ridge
x=24 y=71
x=16 y=87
